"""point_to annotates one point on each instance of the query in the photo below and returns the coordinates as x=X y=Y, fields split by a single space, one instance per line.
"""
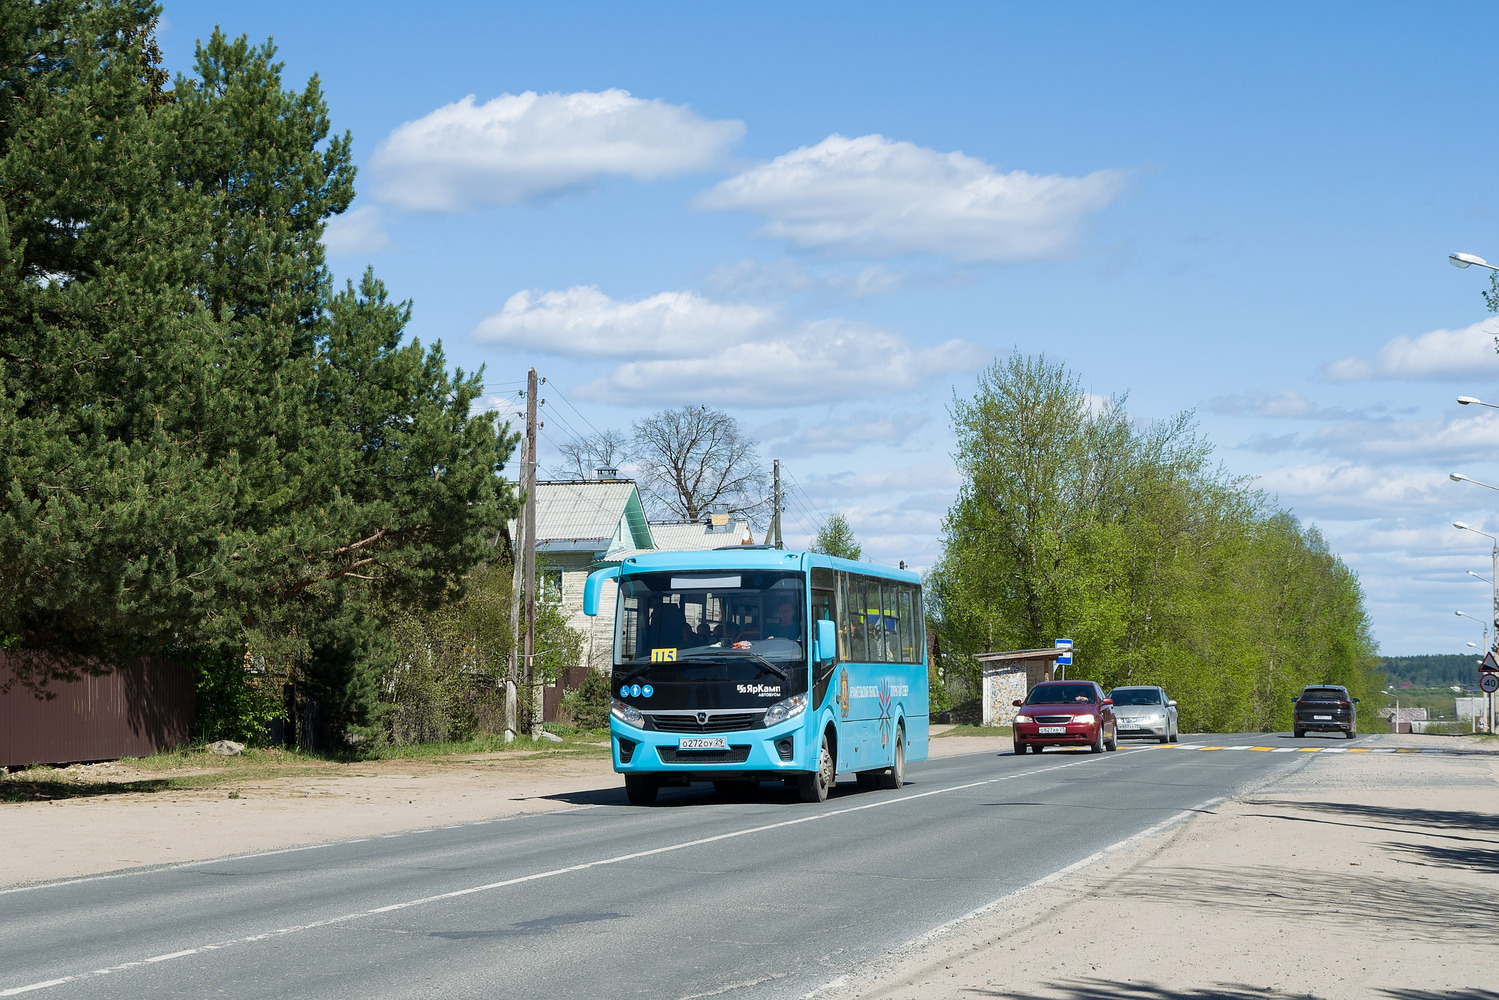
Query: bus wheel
x=814 y=787
x=640 y=789
x=896 y=776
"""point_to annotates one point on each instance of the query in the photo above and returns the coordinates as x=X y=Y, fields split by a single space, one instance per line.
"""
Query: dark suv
x=1325 y=708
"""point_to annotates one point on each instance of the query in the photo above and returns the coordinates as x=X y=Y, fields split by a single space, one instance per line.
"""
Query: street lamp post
x=1493 y=581
x=1468 y=260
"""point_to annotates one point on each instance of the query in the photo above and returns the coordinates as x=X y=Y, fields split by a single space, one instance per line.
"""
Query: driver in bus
x=785 y=624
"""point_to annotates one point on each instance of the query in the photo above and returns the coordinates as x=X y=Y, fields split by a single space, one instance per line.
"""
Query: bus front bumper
x=772 y=753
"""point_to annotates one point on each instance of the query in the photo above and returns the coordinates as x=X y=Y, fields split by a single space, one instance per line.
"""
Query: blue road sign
x=1065 y=660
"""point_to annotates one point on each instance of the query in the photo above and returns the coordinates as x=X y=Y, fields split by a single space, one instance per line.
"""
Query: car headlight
x=1023 y=718
x=786 y=708
x=628 y=714
x=1091 y=720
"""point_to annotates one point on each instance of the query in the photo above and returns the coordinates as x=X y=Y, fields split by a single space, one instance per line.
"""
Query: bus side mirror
x=591 y=588
x=827 y=640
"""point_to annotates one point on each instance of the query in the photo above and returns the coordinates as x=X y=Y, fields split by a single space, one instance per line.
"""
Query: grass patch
x=164 y=771
x=574 y=743
x=970 y=730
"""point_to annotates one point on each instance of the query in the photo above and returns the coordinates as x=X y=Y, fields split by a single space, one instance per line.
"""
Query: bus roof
x=756 y=557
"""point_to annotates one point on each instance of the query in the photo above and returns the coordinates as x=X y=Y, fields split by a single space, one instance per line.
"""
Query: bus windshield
x=674 y=616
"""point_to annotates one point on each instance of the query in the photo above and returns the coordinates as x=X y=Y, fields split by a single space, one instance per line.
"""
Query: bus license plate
x=703 y=743
x=1053 y=730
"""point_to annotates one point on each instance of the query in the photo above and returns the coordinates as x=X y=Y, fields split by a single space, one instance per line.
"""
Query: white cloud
x=355 y=233
x=1357 y=492
x=1467 y=436
x=1287 y=404
x=1441 y=355
x=700 y=350
x=842 y=434
x=529 y=147
x=753 y=280
x=583 y=322
x=872 y=196
x=808 y=362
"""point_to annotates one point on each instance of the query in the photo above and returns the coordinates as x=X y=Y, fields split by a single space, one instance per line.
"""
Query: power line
x=579 y=412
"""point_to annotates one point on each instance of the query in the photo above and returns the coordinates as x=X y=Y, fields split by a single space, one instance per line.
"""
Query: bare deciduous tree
x=694 y=458
x=580 y=458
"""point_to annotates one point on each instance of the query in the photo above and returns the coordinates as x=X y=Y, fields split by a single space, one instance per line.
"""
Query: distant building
x=588 y=524
x=1406 y=716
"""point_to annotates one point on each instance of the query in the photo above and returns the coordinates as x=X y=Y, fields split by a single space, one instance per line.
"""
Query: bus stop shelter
x=1011 y=675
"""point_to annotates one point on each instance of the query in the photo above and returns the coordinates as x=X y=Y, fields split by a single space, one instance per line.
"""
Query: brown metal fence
x=138 y=709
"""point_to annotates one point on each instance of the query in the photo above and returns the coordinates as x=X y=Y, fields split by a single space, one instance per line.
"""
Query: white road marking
x=487 y=887
x=1060 y=873
x=153 y=869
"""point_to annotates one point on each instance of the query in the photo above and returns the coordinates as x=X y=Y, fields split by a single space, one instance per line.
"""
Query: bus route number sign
x=663 y=655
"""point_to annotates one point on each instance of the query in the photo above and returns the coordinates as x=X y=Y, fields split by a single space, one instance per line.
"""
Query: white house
x=584 y=525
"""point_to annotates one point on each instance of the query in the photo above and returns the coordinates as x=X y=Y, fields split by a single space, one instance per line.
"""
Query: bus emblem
x=843 y=693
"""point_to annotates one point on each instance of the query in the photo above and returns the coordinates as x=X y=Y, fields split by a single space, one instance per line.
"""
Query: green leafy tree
x=203 y=445
x=1072 y=521
x=836 y=538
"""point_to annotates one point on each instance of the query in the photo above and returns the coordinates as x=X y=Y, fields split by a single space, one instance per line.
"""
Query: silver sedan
x=1144 y=711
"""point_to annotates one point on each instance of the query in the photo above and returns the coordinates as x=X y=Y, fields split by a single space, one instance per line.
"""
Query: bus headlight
x=786 y=708
x=628 y=714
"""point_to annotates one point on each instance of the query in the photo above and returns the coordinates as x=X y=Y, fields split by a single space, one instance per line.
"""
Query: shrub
x=588 y=705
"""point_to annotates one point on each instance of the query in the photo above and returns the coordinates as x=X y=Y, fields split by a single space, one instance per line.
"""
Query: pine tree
x=203 y=445
x=836 y=538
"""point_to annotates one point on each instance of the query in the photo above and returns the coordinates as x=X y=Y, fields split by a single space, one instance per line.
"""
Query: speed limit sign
x=1489 y=682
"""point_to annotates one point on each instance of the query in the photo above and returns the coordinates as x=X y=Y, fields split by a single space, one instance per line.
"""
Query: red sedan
x=1065 y=714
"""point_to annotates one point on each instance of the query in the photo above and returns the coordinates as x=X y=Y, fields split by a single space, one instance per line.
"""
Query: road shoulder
x=1352 y=876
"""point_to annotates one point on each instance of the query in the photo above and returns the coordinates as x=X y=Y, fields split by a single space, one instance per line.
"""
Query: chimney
x=605 y=473
x=718 y=520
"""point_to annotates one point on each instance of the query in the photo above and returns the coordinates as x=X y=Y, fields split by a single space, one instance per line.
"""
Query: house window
x=549 y=585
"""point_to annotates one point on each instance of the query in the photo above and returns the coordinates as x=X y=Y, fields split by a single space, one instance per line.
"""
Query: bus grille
x=725 y=723
x=733 y=755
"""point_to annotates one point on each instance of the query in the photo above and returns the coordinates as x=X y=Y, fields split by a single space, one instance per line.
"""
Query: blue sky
x=827 y=218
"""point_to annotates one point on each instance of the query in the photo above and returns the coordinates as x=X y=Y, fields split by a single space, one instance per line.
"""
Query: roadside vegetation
x=1074 y=520
x=196 y=768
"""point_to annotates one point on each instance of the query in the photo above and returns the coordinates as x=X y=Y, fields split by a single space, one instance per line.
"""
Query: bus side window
x=841 y=617
x=874 y=621
x=890 y=606
x=918 y=621
x=907 y=627
x=858 y=632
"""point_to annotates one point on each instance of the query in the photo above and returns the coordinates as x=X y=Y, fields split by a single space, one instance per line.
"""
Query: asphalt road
x=695 y=897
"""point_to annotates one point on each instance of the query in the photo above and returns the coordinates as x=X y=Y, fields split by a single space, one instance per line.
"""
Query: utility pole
x=774 y=535
x=528 y=559
x=517 y=581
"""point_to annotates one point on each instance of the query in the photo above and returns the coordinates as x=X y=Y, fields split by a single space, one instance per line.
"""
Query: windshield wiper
x=768 y=664
x=637 y=672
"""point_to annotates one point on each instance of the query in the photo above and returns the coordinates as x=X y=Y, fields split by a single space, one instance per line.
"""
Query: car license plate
x=703 y=743
x=1053 y=730
x=1321 y=718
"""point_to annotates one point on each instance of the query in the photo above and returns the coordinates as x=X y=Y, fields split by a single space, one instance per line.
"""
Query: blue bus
x=748 y=664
